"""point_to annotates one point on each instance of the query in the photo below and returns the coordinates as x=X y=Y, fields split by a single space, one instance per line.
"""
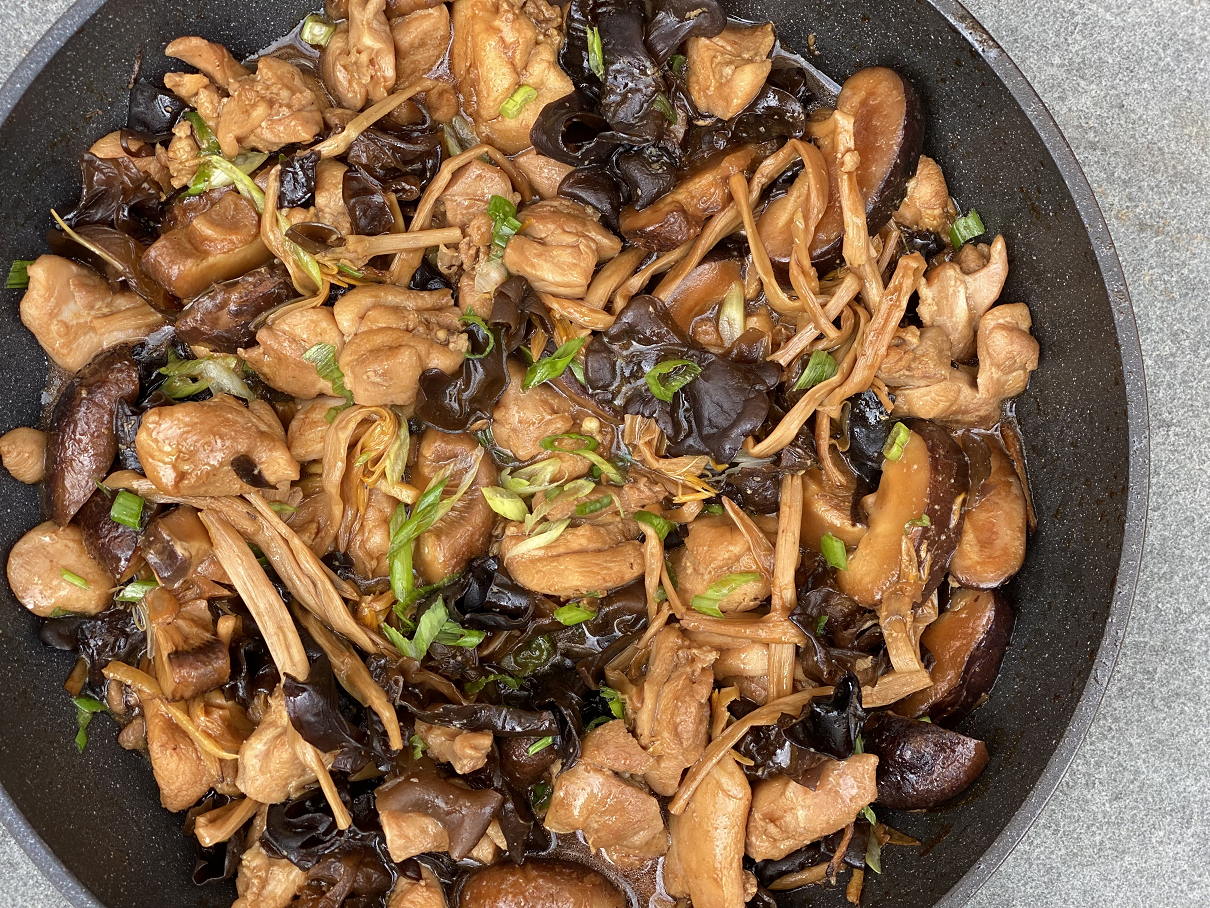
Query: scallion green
x=573 y=613
x=707 y=602
x=896 y=441
x=679 y=373
x=966 y=228
x=86 y=708
x=540 y=745
x=127 y=509
x=551 y=367
x=317 y=31
x=134 y=592
x=471 y=319
x=658 y=524
x=584 y=508
x=73 y=578
x=323 y=358
x=513 y=104
x=834 y=552
x=596 y=54
x=18 y=275
x=820 y=367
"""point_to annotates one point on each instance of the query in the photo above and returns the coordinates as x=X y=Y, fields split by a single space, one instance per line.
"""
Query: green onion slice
x=18 y=275
x=506 y=503
x=134 y=592
x=473 y=687
x=596 y=54
x=896 y=441
x=323 y=358
x=584 y=508
x=317 y=31
x=86 y=708
x=658 y=524
x=471 y=319
x=551 y=367
x=540 y=745
x=966 y=228
x=614 y=699
x=676 y=63
x=573 y=613
x=73 y=578
x=819 y=368
x=511 y=108
x=707 y=602
x=834 y=552
x=679 y=371
x=418 y=746
x=127 y=509
x=207 y=143
x=550 y=532
x=821 y=623
x=664 y=106
x=921 y=521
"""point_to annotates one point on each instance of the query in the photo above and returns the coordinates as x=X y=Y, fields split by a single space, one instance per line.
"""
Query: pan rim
x=1130 y=350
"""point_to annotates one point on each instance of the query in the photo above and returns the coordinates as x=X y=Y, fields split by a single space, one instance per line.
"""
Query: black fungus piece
x=595 y=187
x=152 y=112
x=648 y=173
x=314 y=709
x=772 y=114
x=789 y=75
x=366 y=203
x=389 y=156
x=831 y=724
x=713 y=414
x=922 y=240
x=633 y=80
x=493 y=601
x=869 y=424
x=219 y=862
x=499 y=720
x=569 y=130
x=116 y=194
x=672 y=22
x=758 y=489
x=110 y=635
x=297 y=188
x=453 y=402
x=574 y=57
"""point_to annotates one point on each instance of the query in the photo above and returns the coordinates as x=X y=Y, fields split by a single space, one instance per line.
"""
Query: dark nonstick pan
x=93 y=823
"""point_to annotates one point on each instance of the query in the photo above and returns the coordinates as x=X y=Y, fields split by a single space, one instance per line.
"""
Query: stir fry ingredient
x=505 y=448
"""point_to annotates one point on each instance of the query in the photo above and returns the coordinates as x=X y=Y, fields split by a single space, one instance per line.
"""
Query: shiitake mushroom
x=921 y=765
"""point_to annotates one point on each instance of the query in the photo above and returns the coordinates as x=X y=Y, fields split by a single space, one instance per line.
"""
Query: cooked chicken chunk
x=672 y=710
x=1007 y=354
x=181 y=770
x=351 y=308
x=465 y=750
x=706 y=860
x=471 y=189
x=786 y=816
x=927 y=204
x=329 y=196
x=500 y=45
x=465 y=532
x=74 y=313
x=371 y=536
x=727 y=71
x=954 y=295
x=278 y=356
x=266 y=882
x=212 y=60
x=358 y=62
x=559 y=247
x=40 y=564
x=218 y=244
x=544 y=174
x=269 y=769
x=212 y=447
x=23 y=452
x=423 y=893
x=594 y=556
x=715 y=548
x=916 y=358
x=523 y=418
x=382 y=362
x=421 y=41
x=309 y=428
x=269 y=110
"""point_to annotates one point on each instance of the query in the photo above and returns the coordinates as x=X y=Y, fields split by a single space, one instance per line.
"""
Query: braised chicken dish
x=514 y=455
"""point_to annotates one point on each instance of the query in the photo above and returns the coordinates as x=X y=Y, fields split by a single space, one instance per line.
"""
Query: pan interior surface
x=98 y=813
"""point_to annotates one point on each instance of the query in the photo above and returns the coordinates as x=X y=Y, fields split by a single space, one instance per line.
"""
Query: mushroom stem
x=222 y=823
x=310 y=756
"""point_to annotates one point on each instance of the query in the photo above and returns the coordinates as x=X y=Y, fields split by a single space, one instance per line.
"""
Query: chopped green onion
x=73 y=579
x=280 y=507
x=541 y=796
x=676 y=63
x=531 y=656
x=323 y=358
x=471 y=319
x=540 y=745
x=966 y=228
x=928 y=719
x=873 y=852
x=585 y=443
x=134 y=592
x=576 y=488
x=505 y=503
x=428 y=629
x=591 y=507
x=713 y=508
x=572 y=613
x=511 y=108
x=206 y=141
x=86 y=707
x=731 y=314
x=209 y=176
x=707 y=602
x=819 y=368
x=834 y=552
x=243 y=183
x=454 y=634
x=614 y=699
x=868 y=813
x=859 y=745
x=896 y=442
x=597 y=722
x=658 y=524
x=18 y=275
x=499 y=208
x=508 y=681
x=550 y=532
x=490 y=274
x=921 y=521
x=596 y=54
x=664 y=106
x=533 y=478
x=821 y=623
x=221 y=374
x=551 y=367
x=418 y=746
x=679 y=371
x=127 y=509
x=316 y=30
x=578 y=371
x=676 y=584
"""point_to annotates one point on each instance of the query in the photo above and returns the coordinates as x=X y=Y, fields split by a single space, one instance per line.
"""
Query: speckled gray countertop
x=1128 y=82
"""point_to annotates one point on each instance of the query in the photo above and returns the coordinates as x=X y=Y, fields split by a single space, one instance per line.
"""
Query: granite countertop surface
x=1128 y=83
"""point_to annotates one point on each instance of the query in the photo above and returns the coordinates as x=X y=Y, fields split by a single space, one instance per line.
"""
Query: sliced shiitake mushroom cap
x=968 y=642
x=539 y=884
x=992 y=546
x=222 y=318
x=921 y=765
x=888 y=132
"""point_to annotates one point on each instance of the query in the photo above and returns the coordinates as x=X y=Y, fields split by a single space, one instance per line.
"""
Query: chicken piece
x=421 y=41
x=278 y=356
x=269 y=769
x=214 y=447
x=154 y=166
x=423 y=893
x=309 y=428
x=559 y=247
x=266 y=882
x=498 y=46
x=371 y=536
x=612 y=747
x=927 y=205
x=382 y=362
x=522 y=419
x=189 y=658
x=329 y=196
x=954 y=295
x=678 y=216
x=544 y=174
x=40 y=563
x=1007 y=354
x=358 y=63
x=23 y=452
x=465 y=750
x=706 y=858
x=786 y=816
x=180 y=769
x=184 y=155
x=725 y=73
x=267 y=111
x=595 y=556
x=74 y=313
x=672 y=709
x=465 y=532
x=212 y=60
x=471 y=189
x=352 y=308
x=916 y=358
x=218 y=244
x=714 y=548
